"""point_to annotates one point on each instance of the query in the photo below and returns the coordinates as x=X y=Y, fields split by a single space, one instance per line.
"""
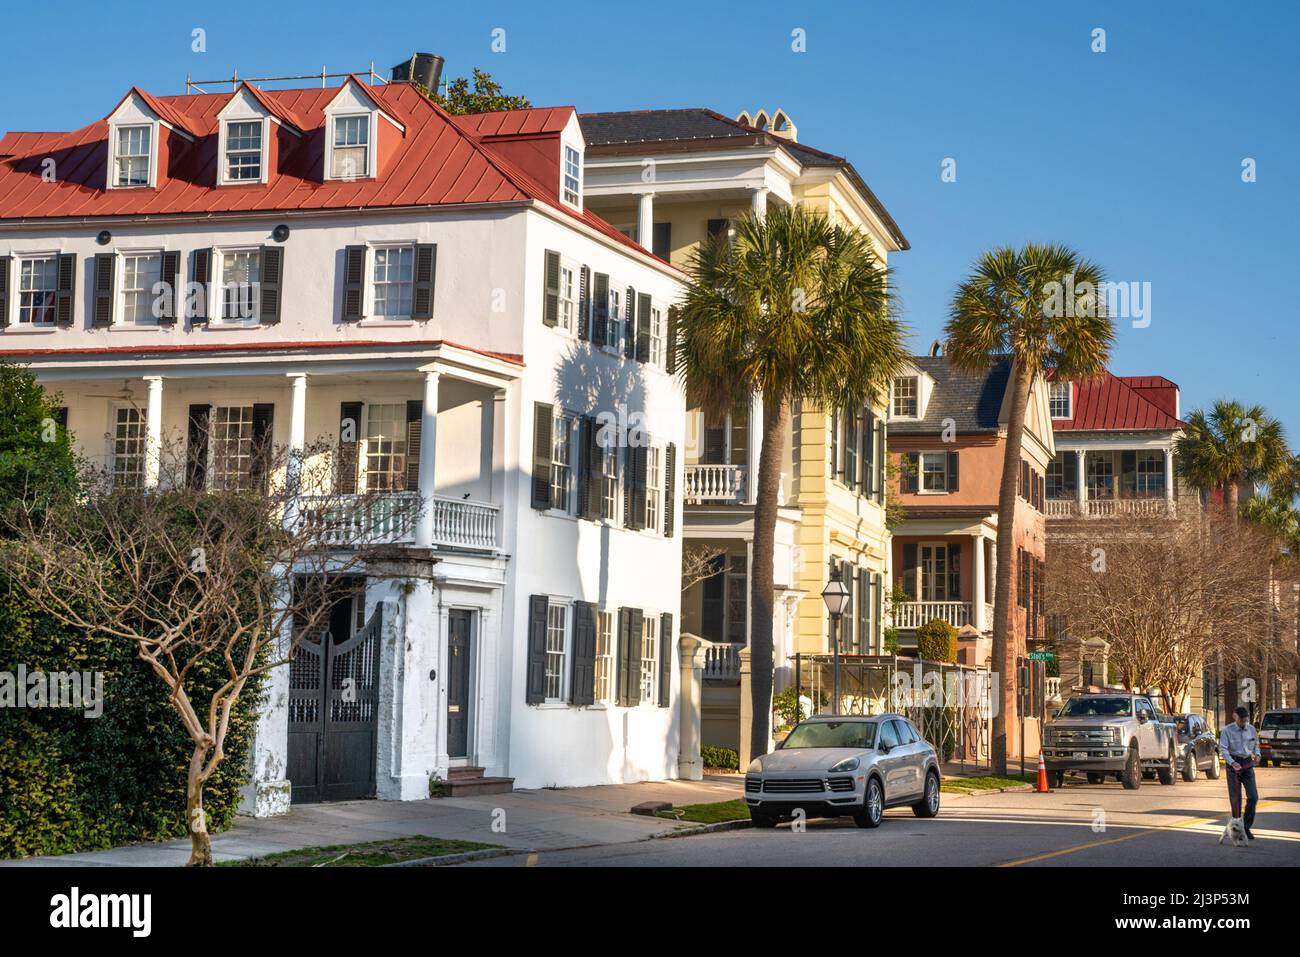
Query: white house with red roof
x=229 y=271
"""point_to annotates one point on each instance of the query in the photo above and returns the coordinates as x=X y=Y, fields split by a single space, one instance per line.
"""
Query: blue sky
x=1133 y=155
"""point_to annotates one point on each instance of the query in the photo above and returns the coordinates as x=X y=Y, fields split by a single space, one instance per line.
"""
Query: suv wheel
x=1096 y=777
x=1215 y=769
x=1132 y=770
x=873 y=806
x=1166 y=773
x=1056 y=780
x=1189 y=766
x=928 y=806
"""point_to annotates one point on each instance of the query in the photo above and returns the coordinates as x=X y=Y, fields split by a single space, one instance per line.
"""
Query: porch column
x=977 y=585
x=498 y=447
x=1169 y=477
x=153 y=432
x=297 y=426
x=758 y=201
x=645 y=220
x=1081 y=478
x=428 y=446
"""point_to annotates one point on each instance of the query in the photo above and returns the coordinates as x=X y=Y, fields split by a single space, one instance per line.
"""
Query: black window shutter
x=196 y=451
x=954 y=572
x=865 y=605
x=670 y=487
x=426 y=269
x=877 y=611
x=600 y=307
x=202 y=278
x=589 y=490
x=582 y=679
x=634 y=487
x=910 y=562
x=952 y=472
x=882 y=460
x=850 y=442
x=1024 y=480
x=635 y=619
x=633 y=317
x=912 y=480
x=835 y=443
x=5 y=262
x=718 y=228
x=105 y=264
x=551 y=313
x=712 y=607
x=272 y=275
x=349 y=445
x=846 y=620
x=170 y=301
x=665 y=658
x=624 y=654
x=354 y=283
x=643 y=328
x=868 y=452
x=670 y=364
x=535 y=692
x=66 y=290
x=584 y=302
x=662 y=243
x=414 y=430
x=543 y=414
x=61 y=417
x=260 y=465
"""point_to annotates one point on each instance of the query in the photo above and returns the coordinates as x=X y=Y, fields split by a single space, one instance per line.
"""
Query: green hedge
x=936 y=640
x=725 y=758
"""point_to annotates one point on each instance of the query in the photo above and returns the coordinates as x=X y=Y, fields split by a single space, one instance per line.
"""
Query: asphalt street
x=1079 y=825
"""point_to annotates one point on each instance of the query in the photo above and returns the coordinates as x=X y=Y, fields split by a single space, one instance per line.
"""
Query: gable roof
x=531 y=121
x=698 y=128
x=1122 y=403
x=274 y=107
x=973 y=400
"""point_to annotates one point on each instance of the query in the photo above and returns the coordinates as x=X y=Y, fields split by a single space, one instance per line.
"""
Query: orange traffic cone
x=1042 y=787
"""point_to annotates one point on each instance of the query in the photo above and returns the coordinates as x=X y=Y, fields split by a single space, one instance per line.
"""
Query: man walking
x=1239 y=746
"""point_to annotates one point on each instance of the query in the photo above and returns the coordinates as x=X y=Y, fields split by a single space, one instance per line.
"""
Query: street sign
x=1042 y=656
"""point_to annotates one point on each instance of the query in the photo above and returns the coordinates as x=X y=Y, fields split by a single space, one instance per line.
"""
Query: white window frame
x=565 y=190
x=372 y=254
x=1153 y=476
x=604 y=668
x=567 y=305
x=119 y=284
x=568 y=422
x=114 y=454
x=649 y=638
x=211 y=470
x=915 y=397
x=218 y=309
x=561 y=679
x=1052 y=397
x=16 y=291
x=920 y=473
x=364 y=438
x=223 y=151
x=331 y=133
x=658 y=329
x=938 y=555
x=617 y=317
x=114 y=157
x=654 y=488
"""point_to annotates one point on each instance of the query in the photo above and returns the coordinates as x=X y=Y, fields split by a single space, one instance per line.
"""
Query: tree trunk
x=1004 y=651
x=762 y=586
x=195 y=817
x=1231 y=500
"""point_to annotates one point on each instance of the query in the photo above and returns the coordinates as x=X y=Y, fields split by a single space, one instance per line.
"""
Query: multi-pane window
x=735 y=629
x=1150 y=473
x=140 y=273
x=934 y=471
x=244 y=151
x=649 y=658
x=1101 y=476
x=656 y=335
x=230 y=443
x=609 y=482
x=614 y=324
x=394 y=272
x=572 y=176
x=131 y=159
x=37 y=282
x=568 y=297
x=385 y=458
x=653 y=486
x=934 y=573
x=905 y=396
x=128 y=447
x=604 y=664
x=1061 y=480
x=351 y=157
x=562 y=448
x=1058 y=400
x=241 y=276
x=557 y=636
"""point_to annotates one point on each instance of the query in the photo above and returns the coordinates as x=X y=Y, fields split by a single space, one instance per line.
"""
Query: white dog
x=1234 y=831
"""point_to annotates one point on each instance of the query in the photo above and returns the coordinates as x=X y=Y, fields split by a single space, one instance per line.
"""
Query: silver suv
x=1112 y=732
x=832 y=766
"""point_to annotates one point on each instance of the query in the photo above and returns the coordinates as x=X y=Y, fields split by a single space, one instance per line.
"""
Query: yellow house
x=669 y=178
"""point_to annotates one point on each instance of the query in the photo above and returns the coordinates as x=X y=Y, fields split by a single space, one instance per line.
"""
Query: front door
x=459 y=632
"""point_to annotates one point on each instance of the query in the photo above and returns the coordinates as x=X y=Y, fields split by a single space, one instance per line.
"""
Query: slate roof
x=971 y=400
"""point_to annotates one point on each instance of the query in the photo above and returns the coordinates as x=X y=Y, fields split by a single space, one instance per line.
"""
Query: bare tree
x=232 y=573
x=699 y=563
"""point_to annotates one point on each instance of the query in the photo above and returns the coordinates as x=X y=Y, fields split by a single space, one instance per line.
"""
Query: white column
x=758 y=201
x=1082 y=478
x=498 y=447
x=1169 y=476
x=645 y=220
x=297 y=443
x=755 y=446
x=977 y=584
x=428 y=446
x=153 y=432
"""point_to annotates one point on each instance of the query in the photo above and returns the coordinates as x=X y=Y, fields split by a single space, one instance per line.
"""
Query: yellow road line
x=1118 y=840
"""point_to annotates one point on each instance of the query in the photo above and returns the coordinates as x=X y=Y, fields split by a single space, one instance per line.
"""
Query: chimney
x=422 y=68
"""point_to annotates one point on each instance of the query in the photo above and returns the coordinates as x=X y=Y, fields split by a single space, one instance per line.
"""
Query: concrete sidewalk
x=537 y=820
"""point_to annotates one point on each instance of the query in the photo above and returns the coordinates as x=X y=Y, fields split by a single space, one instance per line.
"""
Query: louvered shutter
x=170 y=301
x=535 y=689
x=105 y=268
x=66 y=289
x=670 y=488
x=910 y=562
x=543 y=416
x=868 y=452
x=414 y=430
x=259 y=466
x=835 y=444
x=954 y=572
x=953 y=483
x=633 y=318
x=196 y=449
x=846 y=620
x=589 y=468
x=584 y=303
x=882 y=460
x=349 y=446
x=600 y=317
x=6 y=263
x=426 y=270
x=671 y=362
x=354 y=283
x=643 y=328
x=632 y=658
x=662 y=241
x=665 y=659
x=551 y=310
x=878 y=582
x=269 y=285
x=582 y=675
x=864 y=611
x=912 y=480
x=634 y=488
x=202 y=280
x=849 y=441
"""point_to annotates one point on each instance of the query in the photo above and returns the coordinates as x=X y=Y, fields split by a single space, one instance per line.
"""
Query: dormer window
x=243 y=153
x=906 y=397
x=131 y=157
x=1059 y=395
x=351 y=147
x=572 y=177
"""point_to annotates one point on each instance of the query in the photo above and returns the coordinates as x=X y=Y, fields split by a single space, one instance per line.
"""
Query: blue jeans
x=1236 y=780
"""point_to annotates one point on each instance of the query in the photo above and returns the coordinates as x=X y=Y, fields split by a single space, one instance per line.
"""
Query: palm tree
x=1229 y=447
x=1013 y=305
x=793 y=308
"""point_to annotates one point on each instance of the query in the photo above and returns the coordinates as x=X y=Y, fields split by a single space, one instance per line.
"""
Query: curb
x=462 y=857
x=701 y=829
x=1019 y=788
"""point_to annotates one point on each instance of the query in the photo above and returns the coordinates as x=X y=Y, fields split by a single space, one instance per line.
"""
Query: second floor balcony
x=717 y=484
x=1111 y=483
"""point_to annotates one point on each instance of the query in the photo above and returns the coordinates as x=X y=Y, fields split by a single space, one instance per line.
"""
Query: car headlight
x=848 y=764
x=755 y=766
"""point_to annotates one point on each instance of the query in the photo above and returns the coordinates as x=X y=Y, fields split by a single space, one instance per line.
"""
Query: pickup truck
x=1111 y=732
x=1279 y=736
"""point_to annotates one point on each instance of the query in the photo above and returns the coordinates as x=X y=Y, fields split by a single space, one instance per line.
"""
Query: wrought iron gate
x=333 y=714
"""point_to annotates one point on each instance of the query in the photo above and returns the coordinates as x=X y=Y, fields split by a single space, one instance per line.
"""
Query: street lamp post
x=836 y=597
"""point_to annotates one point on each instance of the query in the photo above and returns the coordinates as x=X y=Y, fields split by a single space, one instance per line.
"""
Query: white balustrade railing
x=463 y=523
x=722 y=663
x=390 y=519
x=711 y=484
x=1152 y=507
x=914 y=614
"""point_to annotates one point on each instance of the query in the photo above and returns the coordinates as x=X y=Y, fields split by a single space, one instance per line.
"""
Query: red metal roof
x=1123 y=403
x=546 y=119
x=440 y=160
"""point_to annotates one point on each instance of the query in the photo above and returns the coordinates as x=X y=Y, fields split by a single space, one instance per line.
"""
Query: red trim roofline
x=512 y=358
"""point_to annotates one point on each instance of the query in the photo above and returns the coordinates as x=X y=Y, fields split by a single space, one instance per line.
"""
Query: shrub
x=892 y=644
x=936 y=640
x=724 y=758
